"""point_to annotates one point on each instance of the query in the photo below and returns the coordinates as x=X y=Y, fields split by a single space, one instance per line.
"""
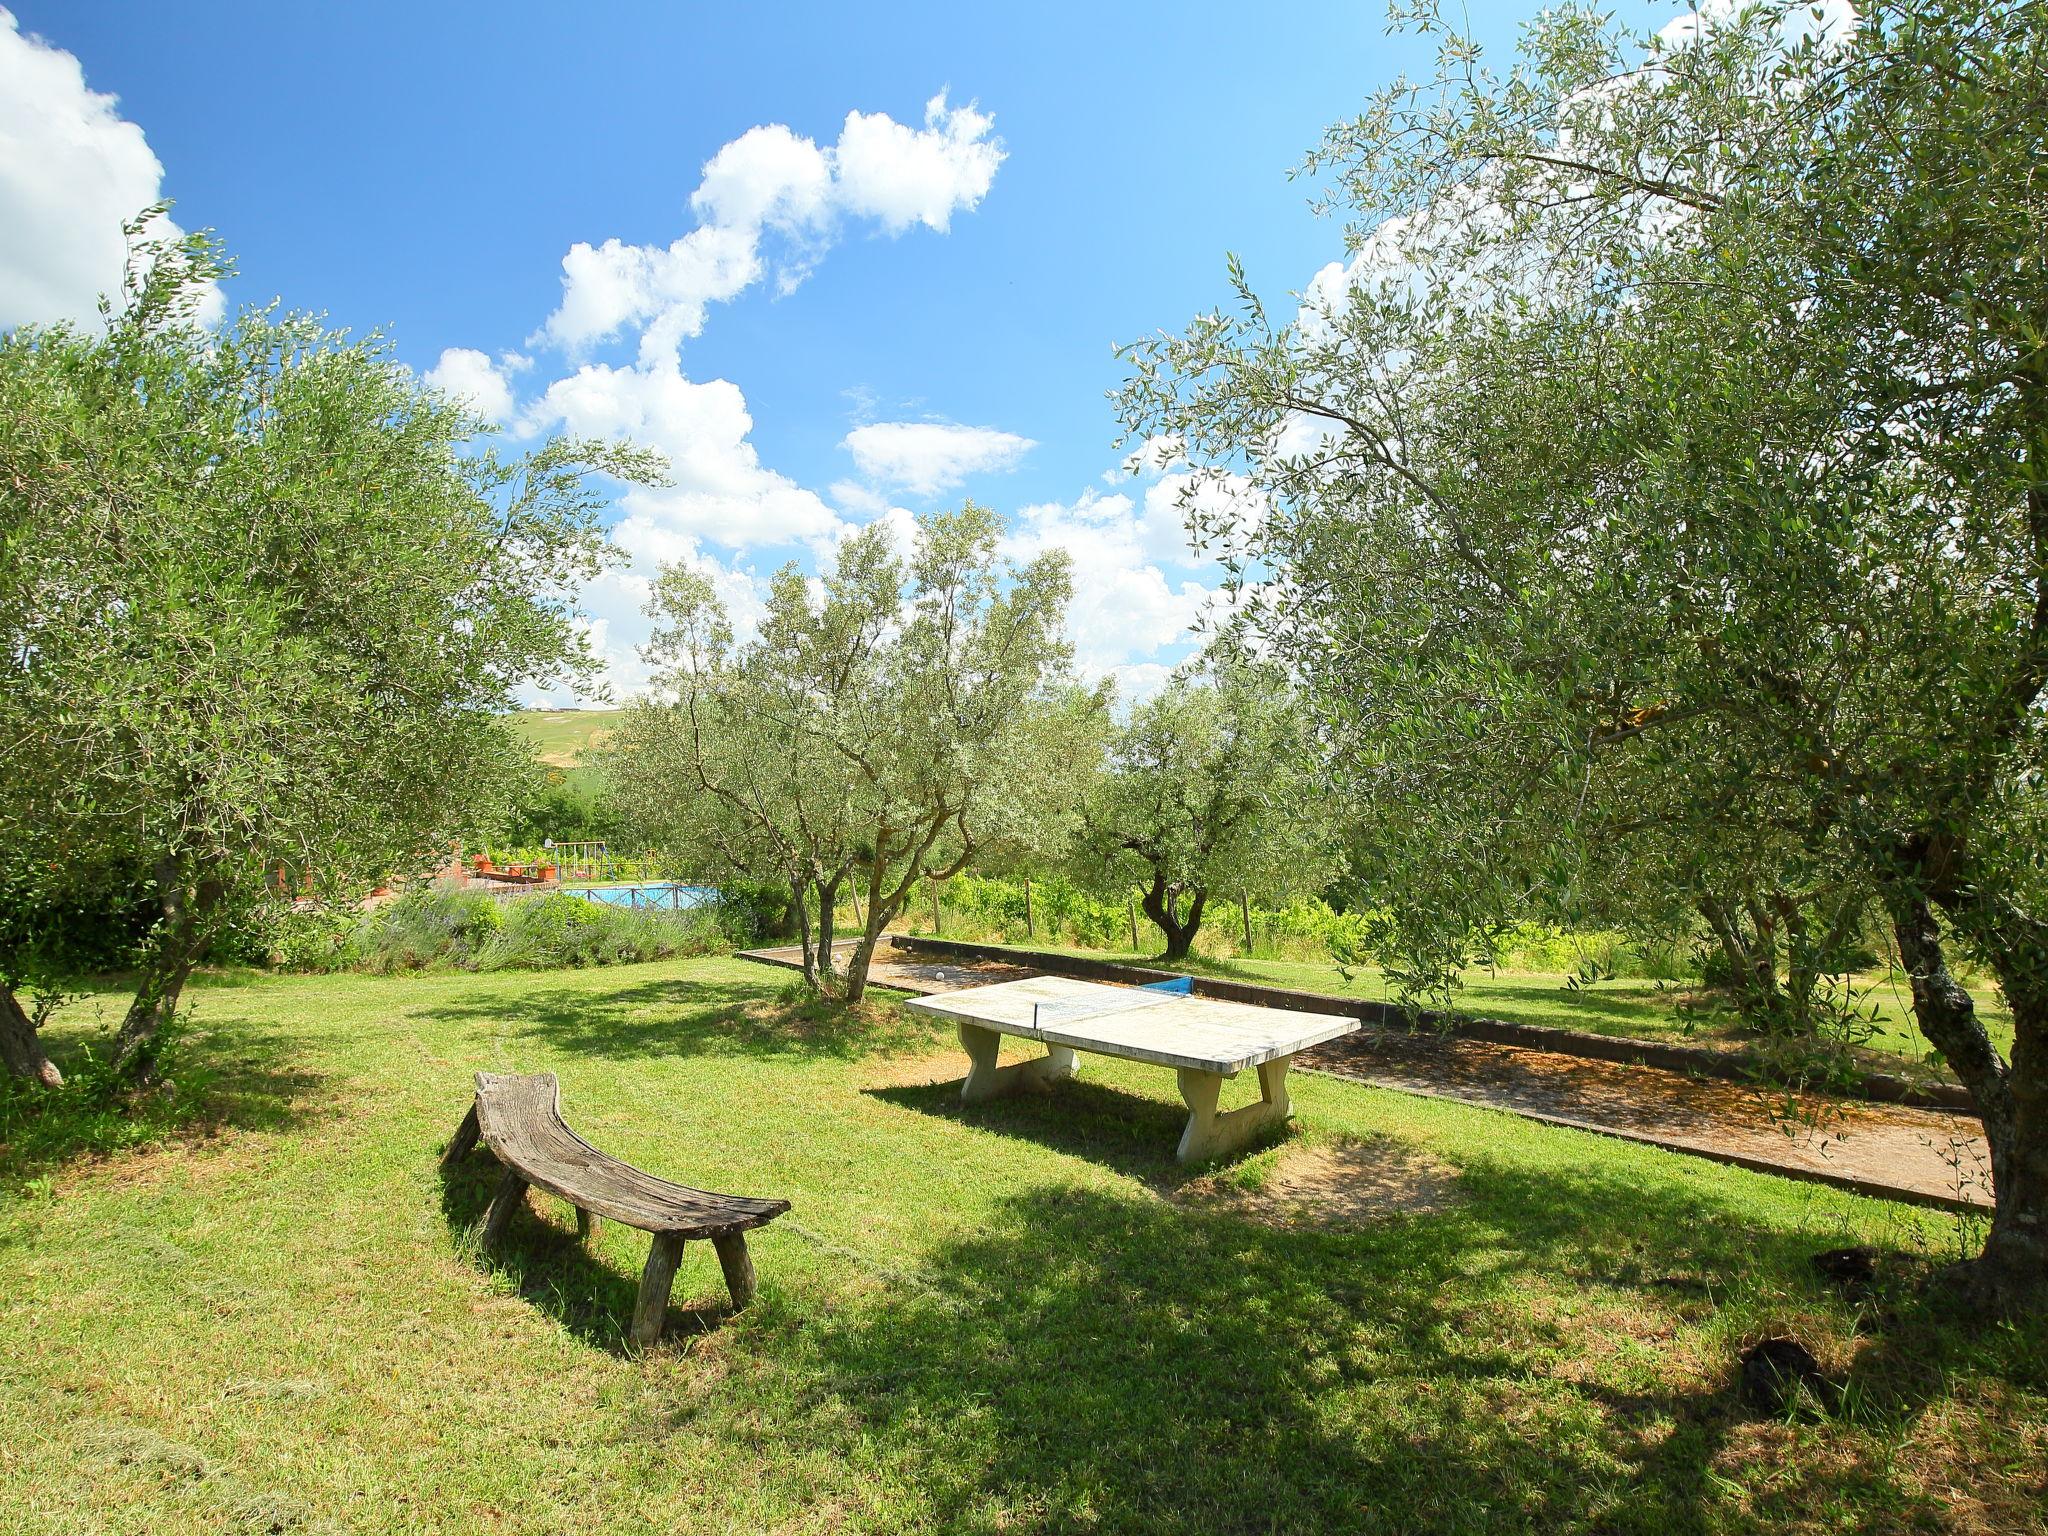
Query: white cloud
x=1829 y=22
x=721 y=493
x=608 y=287
x=72 y=169
x=767 y=176
x=906 y=176
x=1154 y=456
x=1141 y=679
x=768 y=204
x=471 y=376
x=927 y=457
x=1126 y=609
x=855 y=497
x=771 y=178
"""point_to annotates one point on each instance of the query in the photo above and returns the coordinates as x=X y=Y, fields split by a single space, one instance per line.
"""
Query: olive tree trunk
x=2011 y=1097
x=1162 y=905
x=21 y=1049
x=1752 y=958
x=802 y=910
x=828 y=898
x=885 y=899
x=189 y=908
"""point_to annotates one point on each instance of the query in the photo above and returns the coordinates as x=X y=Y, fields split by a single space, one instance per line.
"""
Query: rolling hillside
x=563 y=736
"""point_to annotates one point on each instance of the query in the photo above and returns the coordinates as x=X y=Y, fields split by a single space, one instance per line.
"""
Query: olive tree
x=261 y=606
x=886 y=726
x=1669 y=462
x=1207 y=789
x=720 y=764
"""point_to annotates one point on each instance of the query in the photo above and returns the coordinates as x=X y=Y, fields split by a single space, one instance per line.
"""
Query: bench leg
x=986 y=1080
x=738 y=1265
x=463 y=1142
x=504 y=1205
x=587 y=1226
x=1212 y=1134
x=664 y=1255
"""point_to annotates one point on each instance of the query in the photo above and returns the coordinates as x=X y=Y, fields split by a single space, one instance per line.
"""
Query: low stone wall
x=1691 y=1060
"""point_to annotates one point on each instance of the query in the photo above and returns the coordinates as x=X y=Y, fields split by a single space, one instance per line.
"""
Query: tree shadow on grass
x=553 y=1270
x=1128 y=1132
x=1097 y=1361
x=1102 y=1360
x=208 y=1085
x=685 y=1017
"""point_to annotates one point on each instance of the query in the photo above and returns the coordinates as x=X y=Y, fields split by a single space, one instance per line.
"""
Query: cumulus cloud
x=927 y=457
x=669 y=288
x=769 y=203
x=720 y=491
x=474 y=378
x=72 y=169
x=904 y=176
x=767 y=177
x=1126 y=610
x=773 y=179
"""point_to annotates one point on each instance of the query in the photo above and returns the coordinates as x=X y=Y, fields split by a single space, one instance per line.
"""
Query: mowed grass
x=561 y=737
x=1636 y=1009
x=1021 y=1317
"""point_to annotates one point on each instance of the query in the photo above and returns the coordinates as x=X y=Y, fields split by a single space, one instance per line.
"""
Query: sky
x=839 y=263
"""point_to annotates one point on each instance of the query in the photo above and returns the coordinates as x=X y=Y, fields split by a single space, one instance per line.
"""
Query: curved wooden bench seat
x=519 y=1117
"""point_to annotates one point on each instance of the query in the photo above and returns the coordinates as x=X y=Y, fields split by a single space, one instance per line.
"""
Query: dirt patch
x=1883 y=1149
x=1345 y=1185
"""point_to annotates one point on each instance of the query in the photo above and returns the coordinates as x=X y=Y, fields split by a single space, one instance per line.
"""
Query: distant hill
x=562 y=736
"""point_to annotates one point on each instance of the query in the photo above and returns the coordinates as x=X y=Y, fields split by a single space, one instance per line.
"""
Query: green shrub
x=427 y=927
x=1310 y=928
x=754 y=911
x=281 y=936
x=557 y=931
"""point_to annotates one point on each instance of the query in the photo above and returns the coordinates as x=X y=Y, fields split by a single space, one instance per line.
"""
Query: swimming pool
x=658 y=895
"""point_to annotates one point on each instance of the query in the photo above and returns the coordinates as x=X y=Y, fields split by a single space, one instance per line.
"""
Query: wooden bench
x=519 y=1117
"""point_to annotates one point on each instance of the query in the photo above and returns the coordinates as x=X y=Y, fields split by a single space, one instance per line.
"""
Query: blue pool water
x=661 y=895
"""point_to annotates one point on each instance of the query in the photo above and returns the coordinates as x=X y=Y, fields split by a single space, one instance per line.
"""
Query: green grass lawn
x=1637 y=1009
x=1021 y=1317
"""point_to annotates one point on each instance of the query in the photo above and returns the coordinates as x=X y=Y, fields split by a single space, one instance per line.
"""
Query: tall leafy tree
x=1668 y=469
x=259 y=608
x=723 y=764
x=1208 y=790
x=886 y=726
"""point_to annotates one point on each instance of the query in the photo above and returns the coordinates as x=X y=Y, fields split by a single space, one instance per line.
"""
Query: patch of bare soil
x=1345 y=1185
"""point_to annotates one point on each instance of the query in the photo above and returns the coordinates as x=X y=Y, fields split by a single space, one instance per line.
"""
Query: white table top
x=1170 y=1029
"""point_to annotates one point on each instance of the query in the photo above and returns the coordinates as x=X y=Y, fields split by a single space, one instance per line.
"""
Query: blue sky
x=864 y=320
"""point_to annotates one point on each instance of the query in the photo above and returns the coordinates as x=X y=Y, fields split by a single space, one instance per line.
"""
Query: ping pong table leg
x=1211 y=1133
x=986 y=1080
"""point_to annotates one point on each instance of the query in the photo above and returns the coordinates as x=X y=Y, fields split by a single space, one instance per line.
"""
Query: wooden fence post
x=1133 y=904
x=938 y=928
x=1244 y=905
x=1030 y=932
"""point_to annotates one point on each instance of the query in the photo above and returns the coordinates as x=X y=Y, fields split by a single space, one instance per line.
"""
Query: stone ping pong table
x=1204 y=1039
